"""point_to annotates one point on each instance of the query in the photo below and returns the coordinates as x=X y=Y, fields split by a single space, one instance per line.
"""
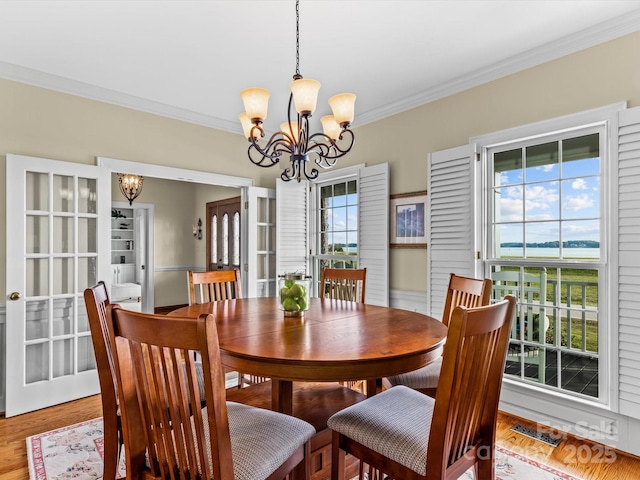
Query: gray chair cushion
x=425 y=377
x=261 y=440
x=395 y=423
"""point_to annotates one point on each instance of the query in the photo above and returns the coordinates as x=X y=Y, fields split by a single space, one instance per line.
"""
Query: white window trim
x=520 y=393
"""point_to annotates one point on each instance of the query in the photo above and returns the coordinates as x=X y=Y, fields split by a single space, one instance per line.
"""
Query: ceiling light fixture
x=130 y=186
x=294 y=138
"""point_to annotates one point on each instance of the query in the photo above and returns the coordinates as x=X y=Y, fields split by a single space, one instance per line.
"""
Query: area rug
x=76 y=452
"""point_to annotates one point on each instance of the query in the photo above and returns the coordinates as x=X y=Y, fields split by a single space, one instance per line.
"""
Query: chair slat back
x=466 y=404
x=96 y=301
x=467 y=292
x=158 y=381
x=343 y=284
x=214 y=285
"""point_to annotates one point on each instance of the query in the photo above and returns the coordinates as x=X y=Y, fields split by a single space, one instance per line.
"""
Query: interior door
x=223 y=234
x=260 y=253
x=58 y=217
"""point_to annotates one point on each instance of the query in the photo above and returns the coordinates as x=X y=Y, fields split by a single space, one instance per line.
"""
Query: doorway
x=223 y=234
x=139 y=245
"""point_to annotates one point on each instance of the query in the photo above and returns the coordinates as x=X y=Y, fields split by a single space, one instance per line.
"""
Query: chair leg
x=485 y=468
x=337 y=458
x=112 y=447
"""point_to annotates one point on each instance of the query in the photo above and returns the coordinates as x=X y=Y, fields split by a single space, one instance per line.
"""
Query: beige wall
x=38 y=122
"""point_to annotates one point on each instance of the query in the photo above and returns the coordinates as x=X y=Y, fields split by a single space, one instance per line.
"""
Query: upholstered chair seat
x=423 y=378
x=382 y=424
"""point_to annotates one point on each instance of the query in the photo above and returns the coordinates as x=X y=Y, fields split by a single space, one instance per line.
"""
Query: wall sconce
x=197 y=230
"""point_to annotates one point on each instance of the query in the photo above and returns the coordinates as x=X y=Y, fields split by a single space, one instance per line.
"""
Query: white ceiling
x=190 y=59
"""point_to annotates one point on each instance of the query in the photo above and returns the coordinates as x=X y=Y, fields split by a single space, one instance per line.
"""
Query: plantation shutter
x=450 y=222
x=373 y=231
x=292 y=207
x=628 y=231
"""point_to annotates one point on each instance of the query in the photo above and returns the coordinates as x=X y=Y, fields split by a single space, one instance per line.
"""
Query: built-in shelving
x=123 y=253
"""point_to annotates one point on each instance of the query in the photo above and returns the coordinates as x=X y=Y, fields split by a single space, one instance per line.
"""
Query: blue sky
x=546 y=199
x=343 y=215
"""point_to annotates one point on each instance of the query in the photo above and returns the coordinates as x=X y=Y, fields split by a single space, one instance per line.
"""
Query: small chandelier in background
x=130 y=186
x=294 y=137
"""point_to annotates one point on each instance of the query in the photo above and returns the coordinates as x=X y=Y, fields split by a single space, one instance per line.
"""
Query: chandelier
x=130 y=186
x=306 y=150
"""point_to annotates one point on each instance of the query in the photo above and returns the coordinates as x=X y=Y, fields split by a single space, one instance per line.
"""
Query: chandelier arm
x=326 y=144
x=270 y=153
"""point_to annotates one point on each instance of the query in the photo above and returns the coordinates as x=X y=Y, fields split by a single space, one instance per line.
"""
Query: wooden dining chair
x=217 y=285
x=343 y=284
x=462 y=291
x=407 y=435
x=96 y=300
x=165 y=437
x=214 y=285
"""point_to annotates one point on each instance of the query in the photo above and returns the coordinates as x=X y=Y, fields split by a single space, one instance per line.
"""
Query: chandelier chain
x=297 y=37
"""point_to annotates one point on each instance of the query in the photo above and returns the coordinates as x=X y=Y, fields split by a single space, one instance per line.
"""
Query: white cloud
x=578 y=202
x=579 y=184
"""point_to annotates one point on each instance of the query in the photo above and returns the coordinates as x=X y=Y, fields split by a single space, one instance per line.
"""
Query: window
x=337 y=225
x=545 y=231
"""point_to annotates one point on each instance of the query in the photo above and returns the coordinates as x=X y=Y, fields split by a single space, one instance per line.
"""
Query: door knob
x=14 y=296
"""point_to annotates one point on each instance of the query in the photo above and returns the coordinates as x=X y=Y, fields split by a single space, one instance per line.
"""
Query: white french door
x=260 y=253
x=58 y=217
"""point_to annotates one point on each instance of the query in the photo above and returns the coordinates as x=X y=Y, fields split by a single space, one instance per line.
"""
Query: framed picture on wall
x=408 y=220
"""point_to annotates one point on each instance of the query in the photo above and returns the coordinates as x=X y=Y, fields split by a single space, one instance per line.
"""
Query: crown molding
x=57 y=83
x=601 y=33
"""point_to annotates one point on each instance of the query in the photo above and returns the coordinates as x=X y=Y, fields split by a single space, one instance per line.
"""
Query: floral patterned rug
x=75 y=452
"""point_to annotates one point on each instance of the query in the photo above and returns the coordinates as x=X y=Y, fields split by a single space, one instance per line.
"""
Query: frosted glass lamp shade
x=291 y=131
x=305 y=95
x=245 y=121
x=256 y=101
x=330 y=127
x=343 y=107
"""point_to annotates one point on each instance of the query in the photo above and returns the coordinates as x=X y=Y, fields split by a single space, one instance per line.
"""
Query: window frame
x=316 y=256
x=602 y=120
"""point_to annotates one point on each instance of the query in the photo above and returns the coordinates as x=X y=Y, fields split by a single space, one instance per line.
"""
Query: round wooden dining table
x=333 y=340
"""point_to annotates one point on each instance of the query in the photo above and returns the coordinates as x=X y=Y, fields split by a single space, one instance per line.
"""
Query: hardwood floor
x=566 y=456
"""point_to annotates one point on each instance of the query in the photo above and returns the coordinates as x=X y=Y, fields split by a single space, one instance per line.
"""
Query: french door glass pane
x=37 y=320
x=63 y=238
x=86 y=357
x=37 y=188
x=63 y=194
x=62 y=275
x=87 y=235
x=87 y=267
x=87 y=195
x=37 y=276
x=37 y=234
x=63 y=355
x=37 y=362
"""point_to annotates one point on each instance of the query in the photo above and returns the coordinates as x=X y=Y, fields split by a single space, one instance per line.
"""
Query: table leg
x=282 y=396
x=374 y=387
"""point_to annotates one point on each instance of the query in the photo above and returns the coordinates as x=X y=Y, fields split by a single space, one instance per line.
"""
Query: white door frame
x=185 y=175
